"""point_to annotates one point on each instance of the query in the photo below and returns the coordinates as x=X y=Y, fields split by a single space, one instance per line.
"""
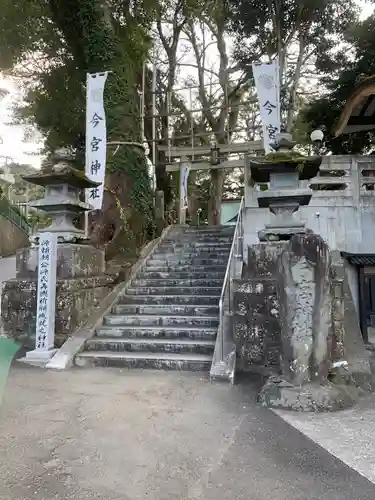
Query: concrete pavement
x=109 y=434
x=348 y=434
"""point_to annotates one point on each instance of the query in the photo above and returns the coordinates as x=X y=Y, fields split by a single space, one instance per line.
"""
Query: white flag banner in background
x=267 y=83
x=96 y=137
x=184 y=175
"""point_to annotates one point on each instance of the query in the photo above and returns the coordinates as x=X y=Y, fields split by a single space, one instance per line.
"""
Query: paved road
x=116 y=435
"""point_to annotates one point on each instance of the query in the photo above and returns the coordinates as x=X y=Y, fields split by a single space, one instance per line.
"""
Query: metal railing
x=224 y=349
x=12 y=214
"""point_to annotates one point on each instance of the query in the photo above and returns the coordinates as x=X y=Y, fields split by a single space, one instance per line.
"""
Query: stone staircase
x=168 y=317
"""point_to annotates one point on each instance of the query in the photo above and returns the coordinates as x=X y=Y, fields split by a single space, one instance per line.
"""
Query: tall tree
x=345 y=74
x=71 y=38
x=301 y=33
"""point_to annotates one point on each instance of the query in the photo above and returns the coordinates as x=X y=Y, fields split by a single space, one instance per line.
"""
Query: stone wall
x=76 y=299
x=11 y=237
x=81 y=286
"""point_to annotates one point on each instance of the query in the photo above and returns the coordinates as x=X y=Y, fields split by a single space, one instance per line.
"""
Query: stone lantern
x=63 y=185
x=284 y=170
x=81 y=280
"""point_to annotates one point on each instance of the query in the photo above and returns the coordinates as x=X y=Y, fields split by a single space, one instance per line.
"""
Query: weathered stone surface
x=73 y=261
x=262 y=260
x=75 y=301
x=311 y=397
x=305 y=309
x=256 y=326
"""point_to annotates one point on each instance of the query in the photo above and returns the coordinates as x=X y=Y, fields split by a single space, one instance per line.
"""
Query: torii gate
x=188 y=154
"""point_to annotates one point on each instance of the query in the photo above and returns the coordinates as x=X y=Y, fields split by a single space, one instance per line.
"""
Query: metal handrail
x=236 y=253
x=8 y=211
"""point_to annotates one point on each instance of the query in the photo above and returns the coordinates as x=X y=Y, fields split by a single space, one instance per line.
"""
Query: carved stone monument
x=81 y=279
x=289 y=283
x=305 y=296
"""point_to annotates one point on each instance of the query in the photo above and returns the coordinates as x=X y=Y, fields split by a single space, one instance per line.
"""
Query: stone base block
x=73 y=261
x=311 y=397
x=38 y=357
x=76 y=299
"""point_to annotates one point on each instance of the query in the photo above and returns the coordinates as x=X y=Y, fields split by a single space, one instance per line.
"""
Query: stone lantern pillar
x=61 y=202
x=81 y=279
x=284 y=170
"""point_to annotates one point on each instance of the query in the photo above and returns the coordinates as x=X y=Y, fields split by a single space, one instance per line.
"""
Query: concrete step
x=165 y=332
x=167 y=309
x=149 y=320
x=182 y=275
x=182 y=261
x=163 y=361
x=178 y=281
x=169 y=299
x=174 y=290
x=165 y=268
x=151 y=345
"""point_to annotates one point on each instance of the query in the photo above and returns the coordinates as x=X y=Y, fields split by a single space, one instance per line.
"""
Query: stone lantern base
x=81 y=286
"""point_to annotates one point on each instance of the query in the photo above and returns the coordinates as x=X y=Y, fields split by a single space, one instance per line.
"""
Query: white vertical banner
x=184 y=176
x=96 y=137
x=46 y=296
x=267 y=83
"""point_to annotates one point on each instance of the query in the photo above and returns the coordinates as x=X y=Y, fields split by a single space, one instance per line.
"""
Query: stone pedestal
x=81 y=286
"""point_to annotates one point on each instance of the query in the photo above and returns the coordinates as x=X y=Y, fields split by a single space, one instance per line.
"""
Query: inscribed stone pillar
x=305 y=309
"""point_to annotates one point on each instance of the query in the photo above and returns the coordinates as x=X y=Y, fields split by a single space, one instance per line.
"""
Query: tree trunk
x=216 y=192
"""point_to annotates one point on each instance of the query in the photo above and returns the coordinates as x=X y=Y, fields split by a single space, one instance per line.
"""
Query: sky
x=13 y=145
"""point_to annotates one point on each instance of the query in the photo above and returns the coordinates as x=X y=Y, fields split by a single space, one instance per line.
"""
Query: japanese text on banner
x=96 y=137
x=45 y=314
x=267 y=83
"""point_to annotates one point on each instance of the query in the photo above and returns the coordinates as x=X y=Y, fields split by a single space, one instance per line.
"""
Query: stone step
x=169 y=299
x=167 y=309
x=163 y=361
x=172 y=290
x=165 y=332
x=178 y=281
x=149 y=320
x=190 y=257
x=165 y=268
x=181 y=261
x=191 y=254
x=150 y=345
x=208 y=230
x=149 y=274
x=199 y=242
x=198 y=245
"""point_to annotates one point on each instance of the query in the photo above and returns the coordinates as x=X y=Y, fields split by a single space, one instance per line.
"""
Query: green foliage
x=298 y=32
x=66 y=39
x=137 y=214
x=324 y=112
